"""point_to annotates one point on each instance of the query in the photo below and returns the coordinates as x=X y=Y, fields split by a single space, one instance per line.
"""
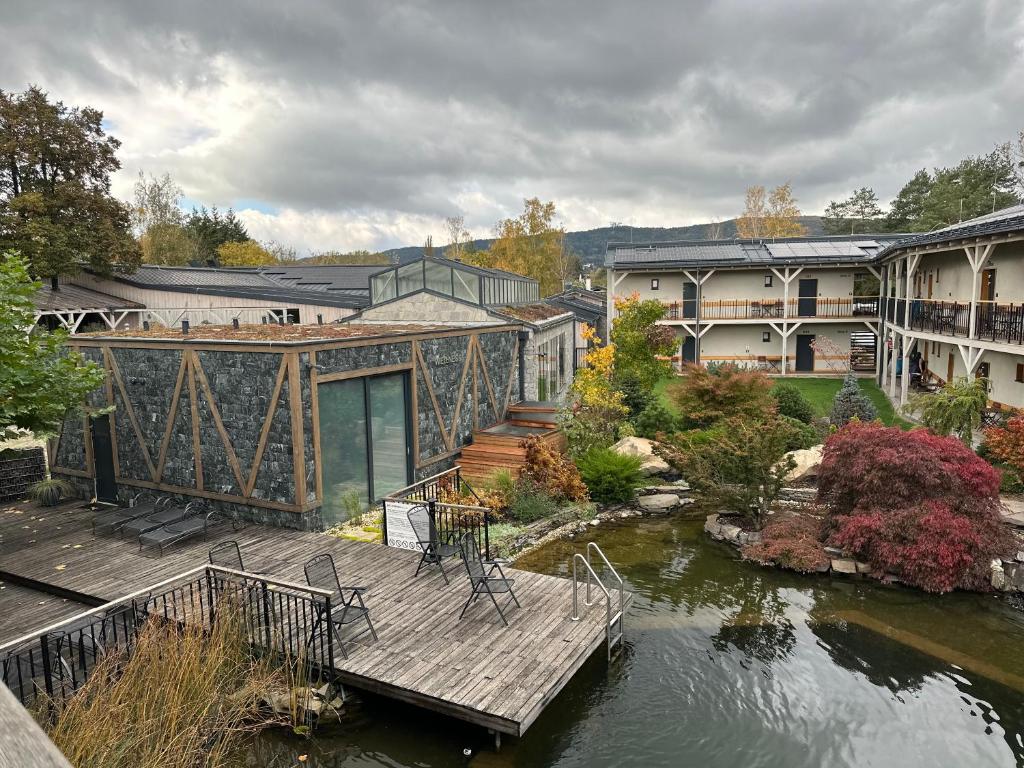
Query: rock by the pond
x=652 y=464
x=863 y=567
x=808 y=463
x=658 y=502
x=1013 y=512
x=844 y=565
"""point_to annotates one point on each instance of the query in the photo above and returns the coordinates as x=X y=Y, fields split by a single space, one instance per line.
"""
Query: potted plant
x=51 y=491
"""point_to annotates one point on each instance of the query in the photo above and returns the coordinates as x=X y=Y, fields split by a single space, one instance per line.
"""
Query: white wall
x=160 y=299
x=1003 y=387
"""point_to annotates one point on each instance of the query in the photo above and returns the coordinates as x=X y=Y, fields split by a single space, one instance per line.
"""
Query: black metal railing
x=942 y=317
x=280 y=618
x=1000 y=322
x=443 y=494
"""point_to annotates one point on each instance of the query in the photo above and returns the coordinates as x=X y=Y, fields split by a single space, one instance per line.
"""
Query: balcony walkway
x=476 y=670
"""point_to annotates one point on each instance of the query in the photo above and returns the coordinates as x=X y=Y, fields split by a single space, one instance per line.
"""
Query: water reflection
x=726 y=663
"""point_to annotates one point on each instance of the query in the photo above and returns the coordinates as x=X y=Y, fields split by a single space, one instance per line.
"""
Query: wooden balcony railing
x=774 y=308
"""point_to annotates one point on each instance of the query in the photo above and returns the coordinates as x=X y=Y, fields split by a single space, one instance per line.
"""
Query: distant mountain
x=590 y=244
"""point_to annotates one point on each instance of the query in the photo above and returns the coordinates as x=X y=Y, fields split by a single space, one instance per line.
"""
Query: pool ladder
x=613 y=623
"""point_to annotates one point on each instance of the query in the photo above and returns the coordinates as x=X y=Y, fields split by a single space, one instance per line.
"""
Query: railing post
x=330 y=634
x=487 y=533
x=47 y=668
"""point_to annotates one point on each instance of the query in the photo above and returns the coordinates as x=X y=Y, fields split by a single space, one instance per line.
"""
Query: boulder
x=652 y=464
x=1013 y=512
x=658 y=502
x=843 y=565
x=730 y=532
x=808 y=462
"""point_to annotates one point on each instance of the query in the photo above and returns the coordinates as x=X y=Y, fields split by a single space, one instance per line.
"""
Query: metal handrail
x=147 y=591
x=592 y=577
x=592 y=547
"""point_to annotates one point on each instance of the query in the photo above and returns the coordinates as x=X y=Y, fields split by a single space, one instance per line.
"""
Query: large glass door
x=364 y=442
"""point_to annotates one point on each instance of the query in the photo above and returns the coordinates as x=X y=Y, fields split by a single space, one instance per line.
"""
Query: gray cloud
x=364 y=124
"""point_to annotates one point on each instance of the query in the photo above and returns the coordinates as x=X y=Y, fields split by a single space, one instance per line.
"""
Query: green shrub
x=530 y=502
x=655 y=418
x=850 y=402
x=1009 y=480
x=953 y=410
x=792 y=403
x=738 y=464
x=802 y=435
x=611 y=477
x=706 y=395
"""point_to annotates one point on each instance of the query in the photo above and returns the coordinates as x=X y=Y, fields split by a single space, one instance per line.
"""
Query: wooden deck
x=475 y=669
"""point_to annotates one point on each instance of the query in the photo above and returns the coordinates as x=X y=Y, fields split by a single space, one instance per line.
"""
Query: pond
x=726 y=663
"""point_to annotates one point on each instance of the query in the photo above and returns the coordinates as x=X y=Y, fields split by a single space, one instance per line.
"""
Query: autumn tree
x=459 y=239
x=247 y=253
x=158 y=222
x=640 y=343
x=770 y=214
x=530 y=244
x=55 y=202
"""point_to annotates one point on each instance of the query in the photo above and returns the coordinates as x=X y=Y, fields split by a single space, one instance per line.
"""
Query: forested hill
x=590 y=244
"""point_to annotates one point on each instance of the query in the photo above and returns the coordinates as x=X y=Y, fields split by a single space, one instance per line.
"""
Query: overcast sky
x=345 y=125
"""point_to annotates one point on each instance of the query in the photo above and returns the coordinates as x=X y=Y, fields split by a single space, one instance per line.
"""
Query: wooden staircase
x=500 y=447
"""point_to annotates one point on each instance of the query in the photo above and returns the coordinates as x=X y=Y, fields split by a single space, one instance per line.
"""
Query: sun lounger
x=198 y=522
x=154 y=520
x=115 y=519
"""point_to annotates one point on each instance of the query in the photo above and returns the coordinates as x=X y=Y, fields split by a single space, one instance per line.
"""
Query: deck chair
x=227 y=555
x=482 y=577
x=154 y=520
x=114 y=520
x=434 y=550
x=195 y=523
x=321 y=573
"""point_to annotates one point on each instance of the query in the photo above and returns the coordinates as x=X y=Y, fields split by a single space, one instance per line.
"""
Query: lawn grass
x=819 y=392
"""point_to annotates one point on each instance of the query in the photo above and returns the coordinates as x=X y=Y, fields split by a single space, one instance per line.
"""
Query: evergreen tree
x=856 y=215
x=851 y=402
x=210 y=229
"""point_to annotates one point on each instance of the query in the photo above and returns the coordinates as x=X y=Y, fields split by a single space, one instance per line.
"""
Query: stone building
x=298 y=426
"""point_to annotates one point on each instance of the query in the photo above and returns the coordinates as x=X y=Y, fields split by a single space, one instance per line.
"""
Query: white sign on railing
x=396 y=517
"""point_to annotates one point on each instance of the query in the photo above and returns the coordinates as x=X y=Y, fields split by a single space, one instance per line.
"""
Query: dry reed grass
x=183 y=698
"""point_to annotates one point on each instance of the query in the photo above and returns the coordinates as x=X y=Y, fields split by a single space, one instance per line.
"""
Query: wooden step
x=533 y=406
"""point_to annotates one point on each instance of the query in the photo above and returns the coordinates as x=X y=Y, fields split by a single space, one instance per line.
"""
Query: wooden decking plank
x=475 y=669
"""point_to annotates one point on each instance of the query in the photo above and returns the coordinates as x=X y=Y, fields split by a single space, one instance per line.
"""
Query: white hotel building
x=826 y=305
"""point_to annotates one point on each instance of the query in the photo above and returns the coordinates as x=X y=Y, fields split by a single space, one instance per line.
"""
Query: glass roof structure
x=476 y=285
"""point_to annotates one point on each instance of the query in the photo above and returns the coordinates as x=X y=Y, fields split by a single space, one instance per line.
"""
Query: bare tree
x=458 y=237
x=713 y=231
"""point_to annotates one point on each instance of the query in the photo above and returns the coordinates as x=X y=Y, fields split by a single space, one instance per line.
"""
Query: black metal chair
x=482 y=577
x=346 y=602
x=227 y=555
x=434 y=550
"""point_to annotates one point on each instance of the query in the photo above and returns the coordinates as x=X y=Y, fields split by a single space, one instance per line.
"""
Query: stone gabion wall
x=242 y=384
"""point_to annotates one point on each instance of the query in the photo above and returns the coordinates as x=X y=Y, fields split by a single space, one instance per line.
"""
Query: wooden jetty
x=476 y=669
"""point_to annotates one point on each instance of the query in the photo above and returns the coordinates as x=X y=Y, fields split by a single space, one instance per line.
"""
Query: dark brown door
x=949 y=368
x=988 y=285
x=929 y=285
